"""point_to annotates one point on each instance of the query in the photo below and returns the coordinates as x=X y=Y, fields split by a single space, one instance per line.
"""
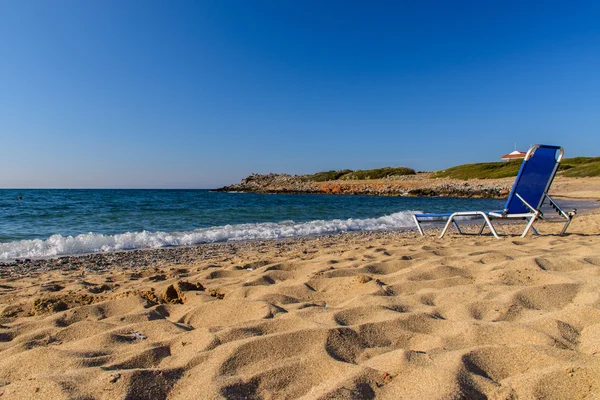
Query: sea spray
x=57 y=245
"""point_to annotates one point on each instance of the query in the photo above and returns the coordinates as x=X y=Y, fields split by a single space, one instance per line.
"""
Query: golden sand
x=353 y=316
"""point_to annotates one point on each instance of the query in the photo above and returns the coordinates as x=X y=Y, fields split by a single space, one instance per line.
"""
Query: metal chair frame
x=531 y=217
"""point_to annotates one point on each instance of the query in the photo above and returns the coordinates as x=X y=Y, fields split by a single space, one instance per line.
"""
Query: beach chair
x=525 y=200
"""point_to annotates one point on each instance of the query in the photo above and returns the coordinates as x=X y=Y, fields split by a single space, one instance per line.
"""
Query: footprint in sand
x=561 y=264
x=592 y=260
x=499 y=363
x=427 y=299
x=439 y=273
x=224 y=274
x=264 y=280
x=380 y=269
x=547 y=297
x=518 y=243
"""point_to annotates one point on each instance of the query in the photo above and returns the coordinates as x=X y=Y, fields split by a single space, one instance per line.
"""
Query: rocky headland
x=420 y=184
x=577 y=177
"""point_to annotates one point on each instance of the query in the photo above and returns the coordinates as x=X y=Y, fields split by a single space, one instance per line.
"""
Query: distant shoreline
x=418 y=185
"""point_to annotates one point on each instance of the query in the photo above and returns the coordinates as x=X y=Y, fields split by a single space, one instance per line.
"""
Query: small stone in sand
x=137 y=335
x=216 y=294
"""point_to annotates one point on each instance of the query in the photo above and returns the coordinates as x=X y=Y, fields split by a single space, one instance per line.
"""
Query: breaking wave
x=57 y=245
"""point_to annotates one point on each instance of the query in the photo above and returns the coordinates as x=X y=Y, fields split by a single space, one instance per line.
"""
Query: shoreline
x=401 y=230
x=141 y=257
x=138 y=257
x=587 y=203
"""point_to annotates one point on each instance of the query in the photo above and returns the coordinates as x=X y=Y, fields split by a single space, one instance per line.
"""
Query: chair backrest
x=534 y=178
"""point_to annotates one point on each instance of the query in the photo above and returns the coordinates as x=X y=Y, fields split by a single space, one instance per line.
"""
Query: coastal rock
x=420 y=184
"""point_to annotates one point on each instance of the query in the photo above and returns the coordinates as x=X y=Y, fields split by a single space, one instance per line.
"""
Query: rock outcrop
x=411 y=185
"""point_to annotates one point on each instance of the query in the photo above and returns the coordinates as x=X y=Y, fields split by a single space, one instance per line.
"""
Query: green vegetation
x=348 y=174
x=579 y=167
x=573 y=167
x=378 y=173
x=327 y=175
x=489 y=170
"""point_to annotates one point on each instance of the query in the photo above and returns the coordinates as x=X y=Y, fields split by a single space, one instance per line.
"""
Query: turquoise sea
x=41 y=223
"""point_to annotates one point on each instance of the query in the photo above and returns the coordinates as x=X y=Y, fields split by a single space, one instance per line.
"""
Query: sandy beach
x=353 y=316
x=225 y=200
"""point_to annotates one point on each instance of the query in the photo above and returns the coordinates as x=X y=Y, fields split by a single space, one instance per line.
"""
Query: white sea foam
x=57 y=245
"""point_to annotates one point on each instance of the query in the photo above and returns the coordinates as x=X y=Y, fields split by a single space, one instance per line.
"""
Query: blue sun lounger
x=526 y=197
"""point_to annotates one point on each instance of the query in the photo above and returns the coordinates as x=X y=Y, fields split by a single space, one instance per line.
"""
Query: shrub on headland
x=349 y=175
x=326 y=175
x=378 y=173
x=489 y=170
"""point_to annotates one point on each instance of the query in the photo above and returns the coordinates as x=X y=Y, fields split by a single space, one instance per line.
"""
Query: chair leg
x=419 y=227
x=489 y=223
x=450 y=220
x=482 y=214
x=564 y=229
x=457 y=227
x=482 y=228
x=529 y=225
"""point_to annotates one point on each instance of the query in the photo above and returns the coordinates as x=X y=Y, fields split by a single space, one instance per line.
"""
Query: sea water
x=41 y=223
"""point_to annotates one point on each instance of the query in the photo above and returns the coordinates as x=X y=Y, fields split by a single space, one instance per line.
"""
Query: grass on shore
x=572 y=167
x=490 y=170
x=327 y=175
x=378 y=173
x=349 y=175
x=580 y=167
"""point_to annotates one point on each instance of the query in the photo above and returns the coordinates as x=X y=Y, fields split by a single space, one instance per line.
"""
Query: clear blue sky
x=201 y=93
